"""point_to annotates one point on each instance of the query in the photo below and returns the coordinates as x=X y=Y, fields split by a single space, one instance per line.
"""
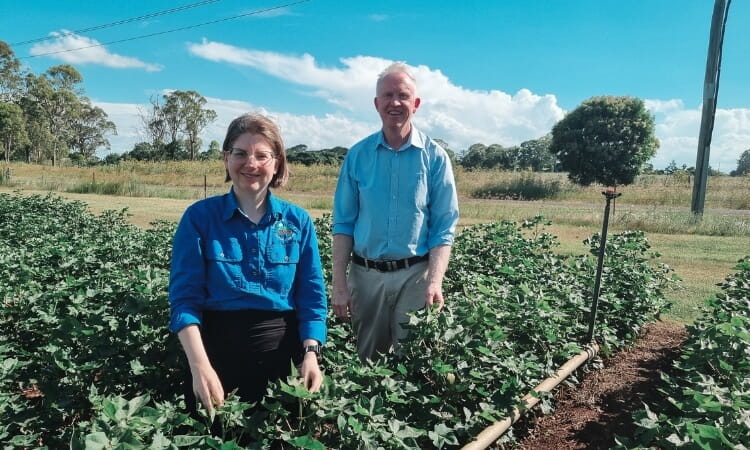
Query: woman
x=246 y=285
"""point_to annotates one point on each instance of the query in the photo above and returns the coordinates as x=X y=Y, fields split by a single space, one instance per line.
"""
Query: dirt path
x=591 y=414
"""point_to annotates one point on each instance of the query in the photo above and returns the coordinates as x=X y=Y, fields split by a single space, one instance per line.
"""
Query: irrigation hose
x=491 y=434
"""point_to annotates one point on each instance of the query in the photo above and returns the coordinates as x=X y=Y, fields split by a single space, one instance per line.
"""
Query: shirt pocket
x=224 y=264
x=416 y=187
x=282 y=266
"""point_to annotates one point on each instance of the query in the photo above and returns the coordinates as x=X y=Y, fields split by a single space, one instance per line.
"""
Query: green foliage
x=88 y=361
x=605 y=140
x=705 y=402
x=531 y=155
x=743 y=164
x=329 y=156
x=526 y=187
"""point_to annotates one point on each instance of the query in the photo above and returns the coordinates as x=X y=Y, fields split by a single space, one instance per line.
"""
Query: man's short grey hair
x=397 y=67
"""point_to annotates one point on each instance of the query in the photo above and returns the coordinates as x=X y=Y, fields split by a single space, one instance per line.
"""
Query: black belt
x=388 y=266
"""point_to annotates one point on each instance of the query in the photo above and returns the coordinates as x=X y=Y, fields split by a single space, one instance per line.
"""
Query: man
x=394 y=216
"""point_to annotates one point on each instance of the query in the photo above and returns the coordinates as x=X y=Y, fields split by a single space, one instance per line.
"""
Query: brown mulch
x=588 y=416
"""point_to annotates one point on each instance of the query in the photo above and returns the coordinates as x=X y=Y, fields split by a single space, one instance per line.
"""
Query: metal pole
x=710 y=94
x=609 y=195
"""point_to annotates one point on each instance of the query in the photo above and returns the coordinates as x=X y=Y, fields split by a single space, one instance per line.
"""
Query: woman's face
x=251 y=164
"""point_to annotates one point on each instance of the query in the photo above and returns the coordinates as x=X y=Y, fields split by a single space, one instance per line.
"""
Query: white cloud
x=677 y=129
x=459 y=116
x=74 y=49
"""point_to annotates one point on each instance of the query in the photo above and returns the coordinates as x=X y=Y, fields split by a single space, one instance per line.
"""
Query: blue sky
x=488 y=71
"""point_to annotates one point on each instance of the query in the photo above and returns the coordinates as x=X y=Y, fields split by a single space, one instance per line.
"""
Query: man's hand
x=434 y=296
x=342 y=303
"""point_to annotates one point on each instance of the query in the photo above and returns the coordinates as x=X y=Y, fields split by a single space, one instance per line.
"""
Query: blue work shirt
x=396 y=204
x=223 y=261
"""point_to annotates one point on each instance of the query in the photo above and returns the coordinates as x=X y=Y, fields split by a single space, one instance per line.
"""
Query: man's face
x=396 y=100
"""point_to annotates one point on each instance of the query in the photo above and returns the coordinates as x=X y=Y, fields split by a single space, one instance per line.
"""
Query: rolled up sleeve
x=309 y=291
x=187 y=278
x=443 y=203
x=345 y=202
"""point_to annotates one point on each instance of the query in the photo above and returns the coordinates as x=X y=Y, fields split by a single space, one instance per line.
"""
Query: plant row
x=705 y=403
x=88 y=361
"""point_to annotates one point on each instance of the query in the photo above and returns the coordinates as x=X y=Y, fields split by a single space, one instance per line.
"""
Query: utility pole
x=710 y=93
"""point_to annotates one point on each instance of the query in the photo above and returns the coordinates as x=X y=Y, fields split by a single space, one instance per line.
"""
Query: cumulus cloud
x=678 y=128
x=74 y=49
x=457 y=115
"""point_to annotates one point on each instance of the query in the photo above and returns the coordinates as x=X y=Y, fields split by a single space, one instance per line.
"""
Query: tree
x=296 y=149
x=605 y=140
x=88 y=130
x=11 y=77
x=474 y=156
x=12 y=128
x=499 y=157
x=54 y=96
x=185 y=114
x=154 y=123
x=534 y=155
x=213 y=152
x=743 y=164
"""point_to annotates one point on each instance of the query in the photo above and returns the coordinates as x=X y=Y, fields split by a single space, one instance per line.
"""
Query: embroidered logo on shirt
x=283 y=232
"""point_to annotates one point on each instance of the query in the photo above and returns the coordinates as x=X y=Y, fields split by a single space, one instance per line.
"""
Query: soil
x=589 y=415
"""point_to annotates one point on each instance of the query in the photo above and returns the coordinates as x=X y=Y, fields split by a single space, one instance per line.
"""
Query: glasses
x=241 y=156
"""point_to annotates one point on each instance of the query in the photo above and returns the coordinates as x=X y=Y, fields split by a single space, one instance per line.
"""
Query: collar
x=231 y=207
x=416 y=139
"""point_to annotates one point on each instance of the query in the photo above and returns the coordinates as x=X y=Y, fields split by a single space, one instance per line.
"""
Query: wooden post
x=710 y=93
x=205 y=185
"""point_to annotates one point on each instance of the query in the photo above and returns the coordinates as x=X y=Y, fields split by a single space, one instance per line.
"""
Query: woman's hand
x=207 y=386
x=312 y=377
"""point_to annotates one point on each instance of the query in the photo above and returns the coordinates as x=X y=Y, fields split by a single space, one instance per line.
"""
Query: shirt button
x=286 y=258
x=222 y=255
x=255 y=250
x=255 y=274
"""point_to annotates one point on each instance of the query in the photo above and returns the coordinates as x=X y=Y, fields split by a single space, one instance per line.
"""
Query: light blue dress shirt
x=396 y=204
x=223 y=261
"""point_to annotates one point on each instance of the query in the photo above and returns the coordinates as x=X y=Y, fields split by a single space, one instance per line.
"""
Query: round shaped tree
x=605 y=140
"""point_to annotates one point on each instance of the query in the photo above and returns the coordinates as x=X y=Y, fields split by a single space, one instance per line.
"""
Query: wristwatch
x=313 y=348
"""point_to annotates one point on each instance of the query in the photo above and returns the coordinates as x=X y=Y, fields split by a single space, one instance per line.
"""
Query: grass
x=702 y=252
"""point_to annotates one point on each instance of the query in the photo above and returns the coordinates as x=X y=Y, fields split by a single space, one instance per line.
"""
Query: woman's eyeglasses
x=241 y=156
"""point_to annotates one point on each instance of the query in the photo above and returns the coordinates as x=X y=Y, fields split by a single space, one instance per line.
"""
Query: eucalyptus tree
x=180 y=115
x=11 y=75
x=605 y=140
x=187 y=108
x=41 y=139
x=12 y=129
x=89 y=129
x=54 y=96
x=154 y=124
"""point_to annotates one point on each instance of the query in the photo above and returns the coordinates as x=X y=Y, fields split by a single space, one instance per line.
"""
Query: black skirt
x=247 y=349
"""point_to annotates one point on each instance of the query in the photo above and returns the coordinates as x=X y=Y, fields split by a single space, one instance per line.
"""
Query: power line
x=121 y=22
x=260 y=11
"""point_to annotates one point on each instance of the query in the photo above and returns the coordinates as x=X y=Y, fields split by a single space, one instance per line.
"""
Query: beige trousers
x=380 y=303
